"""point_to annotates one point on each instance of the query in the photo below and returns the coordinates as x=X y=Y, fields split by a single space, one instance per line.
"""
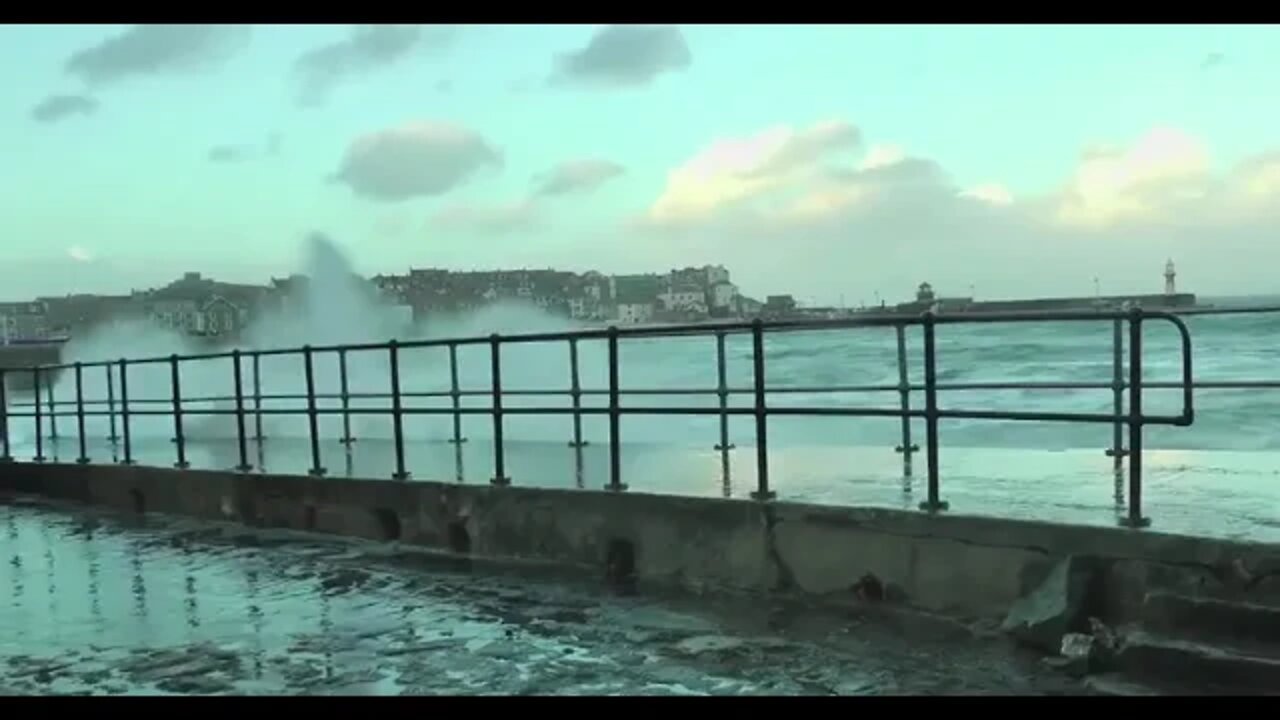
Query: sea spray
x=332 y=307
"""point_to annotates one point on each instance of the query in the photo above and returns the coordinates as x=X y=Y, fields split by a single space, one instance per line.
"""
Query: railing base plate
x=1137 y=524
x=400 y=476
x=182 y=465
x=318 y=472
x=616 y=487
x=764 y=496
x=933 y=507
x=500 y=481
x=244 y=468
x=83 y=461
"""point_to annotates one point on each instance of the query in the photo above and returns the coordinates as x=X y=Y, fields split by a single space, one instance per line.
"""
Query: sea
x=1220 y=476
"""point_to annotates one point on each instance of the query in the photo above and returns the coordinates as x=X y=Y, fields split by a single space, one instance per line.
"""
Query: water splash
x=334 y=306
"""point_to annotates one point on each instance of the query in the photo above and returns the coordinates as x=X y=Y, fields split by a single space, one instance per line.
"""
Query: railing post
x=84 y=452
x=175 y=383
x=257 y=400
x=499 y=452
x=1136 y=419
x=615 y=417
x=933 y=503
x=575 y=395
x=5 y=449
x=35 y=385
x=907 y=448
x=125 y=433
x=397 y=411
x=345 y=389
x=242 y=441
x=761 y=413
x=455 y=395
x=113 y=438
x=53 y=408
x=722 y=393
x=1117 y=452
x=313 y=415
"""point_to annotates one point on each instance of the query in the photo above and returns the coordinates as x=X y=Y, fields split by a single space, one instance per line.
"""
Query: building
x=631 y=313
x=778 y=306
x=195 y=305
x=23 y=321
x=684 y=300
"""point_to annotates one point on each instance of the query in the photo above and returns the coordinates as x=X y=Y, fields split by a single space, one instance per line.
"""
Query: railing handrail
x=1135 y=418
x=655 y=332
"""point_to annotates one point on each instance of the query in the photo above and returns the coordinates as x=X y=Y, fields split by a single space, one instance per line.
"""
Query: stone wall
x=967 y=566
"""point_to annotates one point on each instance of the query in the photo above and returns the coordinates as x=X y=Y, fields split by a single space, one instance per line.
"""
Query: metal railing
x=120 y=406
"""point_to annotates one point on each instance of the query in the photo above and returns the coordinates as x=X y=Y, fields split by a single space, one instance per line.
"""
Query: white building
x=722 y=295
x=716 y=274
x=684 y=299
x=632 y=313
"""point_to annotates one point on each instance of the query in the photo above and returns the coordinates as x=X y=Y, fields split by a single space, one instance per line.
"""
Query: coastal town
x=200 y=306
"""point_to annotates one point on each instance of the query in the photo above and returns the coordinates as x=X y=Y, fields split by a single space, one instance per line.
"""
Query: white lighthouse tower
x=1170 y=277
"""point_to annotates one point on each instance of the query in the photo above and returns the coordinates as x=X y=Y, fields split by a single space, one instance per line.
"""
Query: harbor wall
x=959 y=565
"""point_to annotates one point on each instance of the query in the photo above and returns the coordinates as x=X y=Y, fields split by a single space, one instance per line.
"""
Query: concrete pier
x=965 y=566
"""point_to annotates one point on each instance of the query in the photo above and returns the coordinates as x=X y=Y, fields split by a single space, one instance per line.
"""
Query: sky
x=835 y=163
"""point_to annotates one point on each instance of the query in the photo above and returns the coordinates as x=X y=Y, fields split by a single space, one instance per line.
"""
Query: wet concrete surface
x=98 y=603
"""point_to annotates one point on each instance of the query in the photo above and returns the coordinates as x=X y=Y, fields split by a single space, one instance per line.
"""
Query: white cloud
x=79 y=254
x=881 y=156
x=1160 y=170
x=732 y=170
x=782 y=206
x=990 y=193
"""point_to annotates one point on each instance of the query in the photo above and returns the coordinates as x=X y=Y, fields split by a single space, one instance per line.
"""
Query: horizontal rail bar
x=669 y=331
x=711 y=392
x=676 y=410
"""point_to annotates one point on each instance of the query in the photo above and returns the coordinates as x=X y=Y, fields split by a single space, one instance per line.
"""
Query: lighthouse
x=1170 y=277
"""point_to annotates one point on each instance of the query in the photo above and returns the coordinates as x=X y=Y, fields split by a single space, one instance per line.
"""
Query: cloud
x=152 y=49
x=797 y=214
x=79 y=254
x=368 y=48
x=1117 y=185
x=576 y=176
x=990 y=193
x=235 y=153
x=417 y=159
x=734 y=170
x=1212 y=60
x=59 y=107
x=625 y=56
x=488 y=219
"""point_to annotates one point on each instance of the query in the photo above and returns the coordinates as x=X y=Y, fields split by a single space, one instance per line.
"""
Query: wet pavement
x=96 y=603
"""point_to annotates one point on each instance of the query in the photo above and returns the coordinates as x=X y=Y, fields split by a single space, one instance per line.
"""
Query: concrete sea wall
x=965 y=566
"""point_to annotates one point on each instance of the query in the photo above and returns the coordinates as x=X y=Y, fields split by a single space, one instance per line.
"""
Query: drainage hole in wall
x=620 y=563
x=388 y=522
x=138 y=501
x=459 y=538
